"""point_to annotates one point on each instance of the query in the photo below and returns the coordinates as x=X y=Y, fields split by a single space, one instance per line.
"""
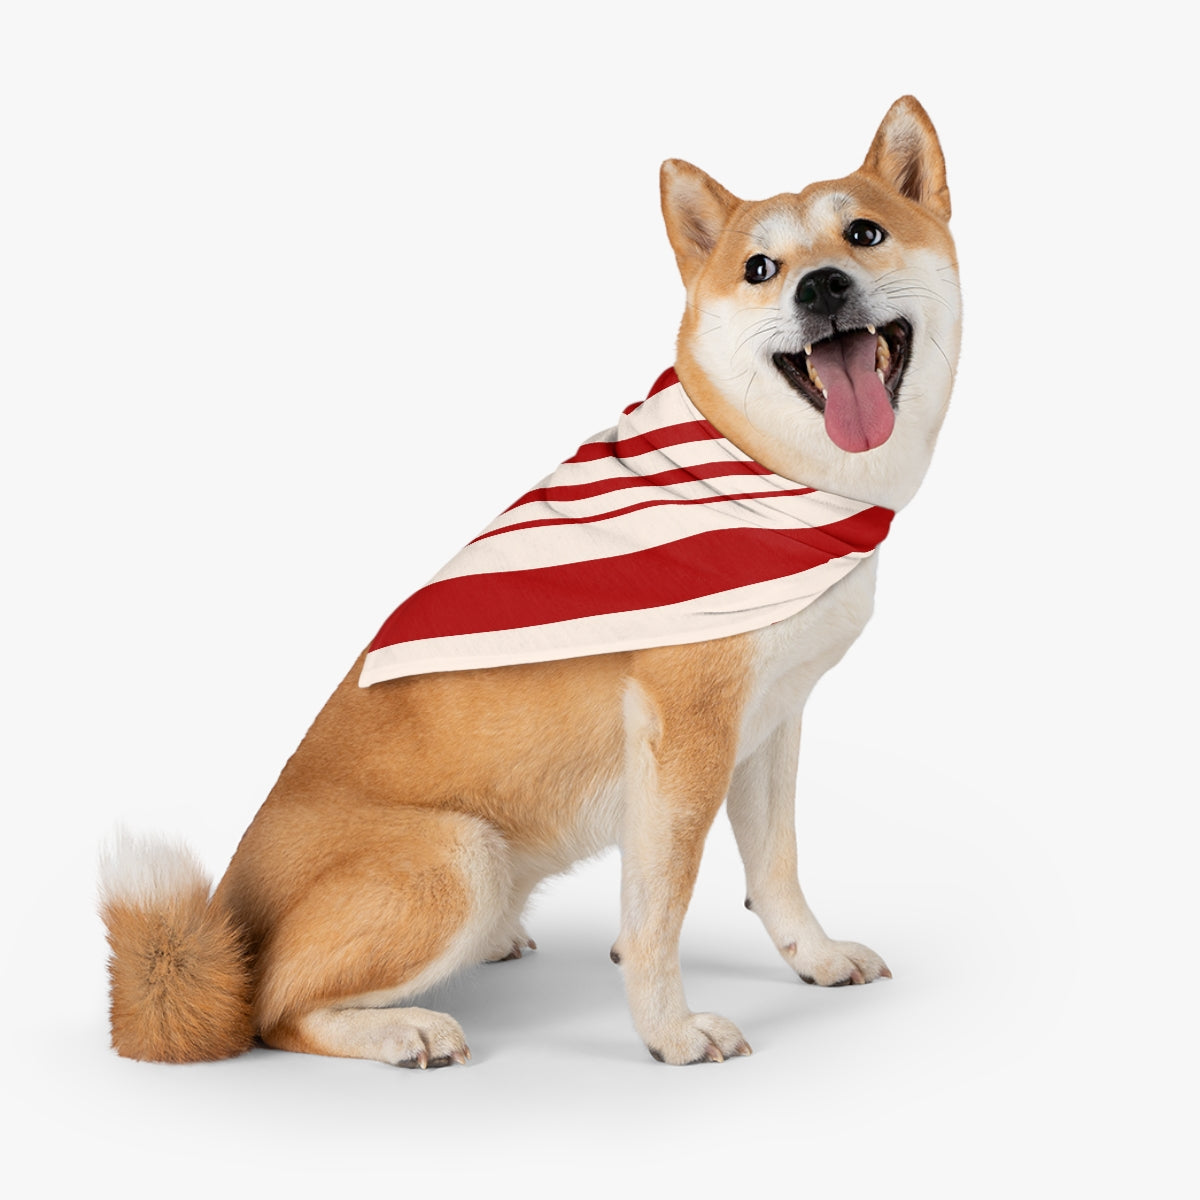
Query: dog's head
x=822 y=327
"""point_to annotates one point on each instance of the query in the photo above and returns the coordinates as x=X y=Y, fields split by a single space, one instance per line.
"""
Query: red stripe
x=701 y=565
x=643 y=443
x=620 y=512
x=667 y=379
x=600 y=487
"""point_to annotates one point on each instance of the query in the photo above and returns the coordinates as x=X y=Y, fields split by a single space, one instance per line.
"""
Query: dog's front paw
x=698 y=1037
x=836 y=964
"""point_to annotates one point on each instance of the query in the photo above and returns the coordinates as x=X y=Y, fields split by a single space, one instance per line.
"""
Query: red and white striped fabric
x=658 y=532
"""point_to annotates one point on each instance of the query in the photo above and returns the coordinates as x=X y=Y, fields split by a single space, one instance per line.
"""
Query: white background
x=274 y=276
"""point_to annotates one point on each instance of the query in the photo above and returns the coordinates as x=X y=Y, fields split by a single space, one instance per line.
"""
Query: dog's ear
x=907 y=156
x=696 y=208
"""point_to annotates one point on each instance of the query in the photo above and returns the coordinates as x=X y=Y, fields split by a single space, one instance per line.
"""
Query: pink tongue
x=858 y=410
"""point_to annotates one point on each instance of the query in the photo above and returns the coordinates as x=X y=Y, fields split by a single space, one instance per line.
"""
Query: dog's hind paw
x=506 y=951
x=836 y=964
x=420 y=1038
x=699 y=1037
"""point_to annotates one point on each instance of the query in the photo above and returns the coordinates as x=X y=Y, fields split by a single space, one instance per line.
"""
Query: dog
x=404 y=837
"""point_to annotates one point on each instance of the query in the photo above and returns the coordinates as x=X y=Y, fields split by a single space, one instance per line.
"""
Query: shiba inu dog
x=405 y=836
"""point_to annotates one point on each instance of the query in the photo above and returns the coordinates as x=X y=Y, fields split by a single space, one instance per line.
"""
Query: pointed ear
x=696 y=208
x=907 y=156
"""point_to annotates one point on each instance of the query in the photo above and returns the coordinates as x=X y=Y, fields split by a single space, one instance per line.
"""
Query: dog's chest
x=788 y=659
x=791 y=655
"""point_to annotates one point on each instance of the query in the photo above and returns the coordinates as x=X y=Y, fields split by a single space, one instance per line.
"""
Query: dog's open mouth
x=852 y=378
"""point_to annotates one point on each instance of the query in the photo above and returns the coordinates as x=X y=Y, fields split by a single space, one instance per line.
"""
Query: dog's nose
x=824 y=291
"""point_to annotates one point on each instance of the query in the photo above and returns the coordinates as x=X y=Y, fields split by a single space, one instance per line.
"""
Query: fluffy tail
x=179 y=975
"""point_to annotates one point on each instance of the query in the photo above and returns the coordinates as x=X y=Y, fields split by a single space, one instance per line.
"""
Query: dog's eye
x=864 y=233
x=760 y=268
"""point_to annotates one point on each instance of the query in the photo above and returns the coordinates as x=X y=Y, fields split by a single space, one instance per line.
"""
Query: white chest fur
x=793 y=654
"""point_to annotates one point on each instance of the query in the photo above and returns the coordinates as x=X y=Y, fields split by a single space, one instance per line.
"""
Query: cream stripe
x=593 y=506
x=553 y=545
x=685 y=454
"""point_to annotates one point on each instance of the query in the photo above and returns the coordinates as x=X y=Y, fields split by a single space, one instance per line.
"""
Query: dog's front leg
x=762 y=811
x=676 y=774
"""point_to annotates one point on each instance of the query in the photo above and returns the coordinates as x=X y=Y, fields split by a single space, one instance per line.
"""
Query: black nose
x=824 y=291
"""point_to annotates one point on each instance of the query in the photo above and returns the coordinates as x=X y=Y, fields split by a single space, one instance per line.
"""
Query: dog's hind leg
x=762 y=811
x=417 y=898
x=403 y=1037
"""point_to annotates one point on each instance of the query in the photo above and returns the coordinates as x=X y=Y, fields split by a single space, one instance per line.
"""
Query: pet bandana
x=657 y=532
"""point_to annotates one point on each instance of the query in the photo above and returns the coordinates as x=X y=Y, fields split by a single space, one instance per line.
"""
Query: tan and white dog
x=407 y=832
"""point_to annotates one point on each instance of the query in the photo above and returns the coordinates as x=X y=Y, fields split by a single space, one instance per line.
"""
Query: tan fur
x=180 y=984
x=405 y=835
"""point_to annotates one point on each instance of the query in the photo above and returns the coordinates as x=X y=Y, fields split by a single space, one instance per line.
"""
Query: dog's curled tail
x=179 y=976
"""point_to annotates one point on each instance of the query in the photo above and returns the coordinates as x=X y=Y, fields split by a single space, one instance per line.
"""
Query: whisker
x=914 y=292
x=761 y=329
x=746 y=394
x=949 y=364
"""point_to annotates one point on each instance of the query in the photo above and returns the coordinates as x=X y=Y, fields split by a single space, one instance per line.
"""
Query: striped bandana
x=657 y=532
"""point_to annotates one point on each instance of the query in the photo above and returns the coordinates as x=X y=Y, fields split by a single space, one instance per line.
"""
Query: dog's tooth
x=870 y=328
x=808 y=348
x=879 y=372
